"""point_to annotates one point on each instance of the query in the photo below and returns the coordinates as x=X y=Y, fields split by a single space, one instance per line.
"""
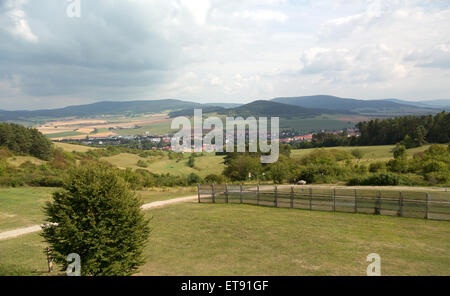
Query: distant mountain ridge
x=282 y=107
x=441 y=104
x=262 y=108
x=107 y=108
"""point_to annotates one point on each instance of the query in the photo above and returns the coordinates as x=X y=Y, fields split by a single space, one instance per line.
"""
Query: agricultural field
x=322 y=122
x=231 y=239
x=105 y=127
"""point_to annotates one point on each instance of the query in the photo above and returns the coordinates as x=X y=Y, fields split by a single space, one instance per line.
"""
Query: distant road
x=36 y=228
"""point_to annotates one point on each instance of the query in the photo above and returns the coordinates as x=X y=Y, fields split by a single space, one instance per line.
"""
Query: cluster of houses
x=163 y=142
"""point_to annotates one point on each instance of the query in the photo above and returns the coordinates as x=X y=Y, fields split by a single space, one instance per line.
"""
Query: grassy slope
x=71 y=147
x=207 y=239
x=204 y=165
x=18 y=160
x=371 y=153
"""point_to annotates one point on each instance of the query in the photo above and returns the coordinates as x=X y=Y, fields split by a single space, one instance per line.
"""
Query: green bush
x=142 y=164
x=100 y=219
x=376 y=180
x=375 y=167
x=213 y=178
x=357 y=153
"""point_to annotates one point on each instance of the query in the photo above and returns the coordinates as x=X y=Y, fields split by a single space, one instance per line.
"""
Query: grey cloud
x=117 y=46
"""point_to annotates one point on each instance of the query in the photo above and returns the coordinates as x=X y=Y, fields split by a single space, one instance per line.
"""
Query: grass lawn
x=230 y=239
x=22 y=207
x=207 y=239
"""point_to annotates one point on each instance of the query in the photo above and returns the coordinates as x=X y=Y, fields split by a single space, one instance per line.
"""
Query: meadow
x=370 y=153
x=23 y=207
x=204 y=165
x=230 y=239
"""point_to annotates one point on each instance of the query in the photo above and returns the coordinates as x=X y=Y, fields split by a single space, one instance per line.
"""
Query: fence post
x=240 y=193
x=292 y=197
x=427 y=206
x=310 y=198
x=400 y=204
x=377 y=203
x=226 y=192
x=257 y=194
x=213 y=193
x=334 y=199
x=276 y=196
x=198 y=190
x=356 y=201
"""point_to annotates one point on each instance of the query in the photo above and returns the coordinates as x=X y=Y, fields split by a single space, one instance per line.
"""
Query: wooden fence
x=429 y=205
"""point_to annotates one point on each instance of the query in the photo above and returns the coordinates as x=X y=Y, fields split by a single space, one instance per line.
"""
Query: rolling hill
x=270 y=108
x=263 y=108
x=365 y=107
x=107 y=108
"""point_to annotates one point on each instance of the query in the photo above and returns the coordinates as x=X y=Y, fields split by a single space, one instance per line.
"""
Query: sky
x=221 y=50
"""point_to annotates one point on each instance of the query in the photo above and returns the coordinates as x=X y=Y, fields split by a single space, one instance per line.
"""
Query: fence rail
x=414 y=204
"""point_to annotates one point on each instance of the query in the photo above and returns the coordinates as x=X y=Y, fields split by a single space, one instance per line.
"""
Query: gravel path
x=36 y=228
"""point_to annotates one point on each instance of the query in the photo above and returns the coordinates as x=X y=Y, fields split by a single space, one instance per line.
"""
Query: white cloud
x=262 y=15
x=15 y=21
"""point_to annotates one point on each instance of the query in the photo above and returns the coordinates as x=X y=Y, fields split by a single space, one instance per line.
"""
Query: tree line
x=410 y=131
x=25 y=141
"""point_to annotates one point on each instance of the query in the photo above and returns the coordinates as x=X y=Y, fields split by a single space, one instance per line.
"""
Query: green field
x=160 y=128
x=213 y=239
x=63 y=135
x=204 y=165
x=315 y=124
x=22 y=207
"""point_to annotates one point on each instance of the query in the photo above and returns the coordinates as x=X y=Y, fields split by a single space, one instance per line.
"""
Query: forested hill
x=26 y=141
x=264 y=108
x=381 y=107
x=101 y=108
x=412 y=130
x=268 y=108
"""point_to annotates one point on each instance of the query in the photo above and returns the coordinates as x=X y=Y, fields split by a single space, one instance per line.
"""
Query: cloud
x=435 y=57
x=14 y=20
x=210 y=50
x=262 y=15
